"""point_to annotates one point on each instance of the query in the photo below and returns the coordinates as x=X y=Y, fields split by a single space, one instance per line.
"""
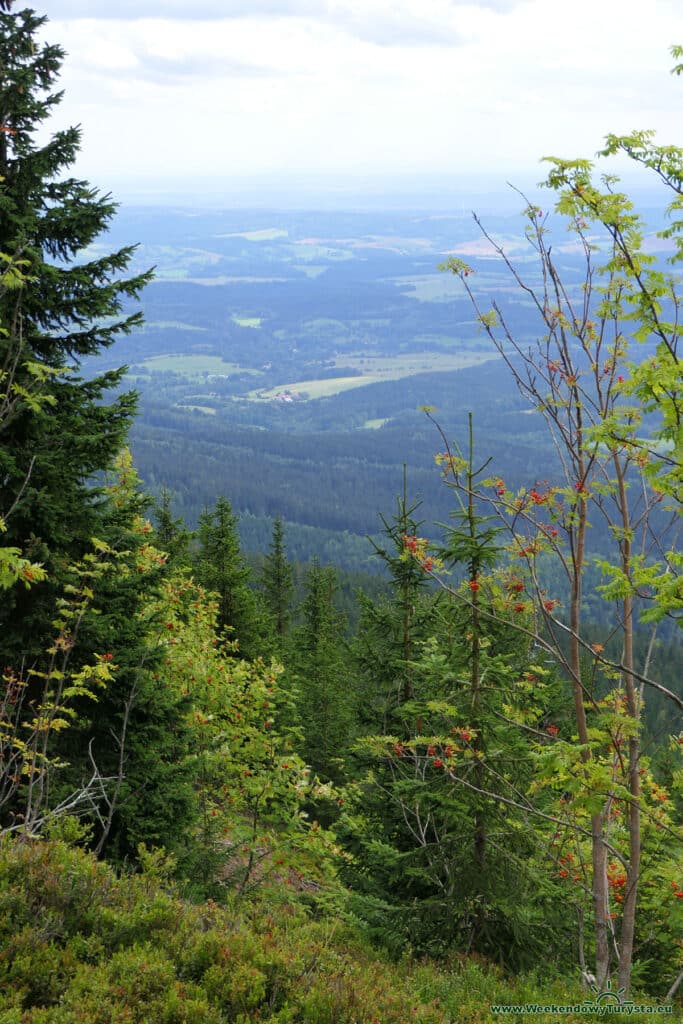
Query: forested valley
x=341 y=594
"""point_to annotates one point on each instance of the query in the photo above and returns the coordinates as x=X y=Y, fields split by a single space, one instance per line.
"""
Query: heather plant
x=81 y=944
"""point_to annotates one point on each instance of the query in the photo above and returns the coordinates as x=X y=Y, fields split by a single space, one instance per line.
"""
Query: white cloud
x=214 y=10
x=344 y=86
x=383 y=22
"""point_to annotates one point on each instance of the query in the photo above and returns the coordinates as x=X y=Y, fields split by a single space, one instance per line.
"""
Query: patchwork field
x=190 y=366
x=373 y=370
x=170 y=325
x=262 y=235
x=247 y=321
x=431 y=287
x=207 y=409
x=270 y=364
x=407 y=364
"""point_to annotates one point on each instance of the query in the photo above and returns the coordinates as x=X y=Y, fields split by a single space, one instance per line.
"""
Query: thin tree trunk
x=598 y=849
x=632 y=810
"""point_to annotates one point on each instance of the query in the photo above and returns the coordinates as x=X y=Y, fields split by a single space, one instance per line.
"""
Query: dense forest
x=241 y=783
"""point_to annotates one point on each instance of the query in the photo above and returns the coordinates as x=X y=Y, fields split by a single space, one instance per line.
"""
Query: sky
x=192 y=95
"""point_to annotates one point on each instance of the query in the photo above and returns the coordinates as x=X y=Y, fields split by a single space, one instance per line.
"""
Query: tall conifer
x=317 y=660
x=72 y=307
x=171 y=534
x=277 y=581
x=220 y=567
x=392 y=626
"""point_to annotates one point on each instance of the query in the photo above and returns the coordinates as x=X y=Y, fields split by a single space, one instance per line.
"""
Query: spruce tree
x=63 y=431
x=437 y=821
x=326 y=698
x=137 y=731
x=171 y=534
x=220 y=568
x=392 y=627
x=71 y=307
x=277 y=581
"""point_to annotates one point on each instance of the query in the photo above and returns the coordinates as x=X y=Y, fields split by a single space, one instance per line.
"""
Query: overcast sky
x=184 y=90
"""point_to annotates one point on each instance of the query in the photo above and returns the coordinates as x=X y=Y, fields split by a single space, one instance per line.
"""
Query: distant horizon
x=452 y=195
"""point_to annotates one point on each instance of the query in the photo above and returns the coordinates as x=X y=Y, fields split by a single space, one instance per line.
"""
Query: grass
x=374 y=370
x=214 y=282
x=443 y=287
x=410 y=363
x=431 y=287
x=165 y=325
x=247 y=321
x=375 y=424
x=189 y=366
x=262 y=235
x=208 y=409
x=171 y=273
x=81 y=944
x=312 y=252
x=311 y=389
x=309 y=271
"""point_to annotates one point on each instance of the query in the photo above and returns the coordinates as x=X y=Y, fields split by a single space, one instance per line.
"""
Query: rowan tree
x=250 y=783
x=615 y=418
